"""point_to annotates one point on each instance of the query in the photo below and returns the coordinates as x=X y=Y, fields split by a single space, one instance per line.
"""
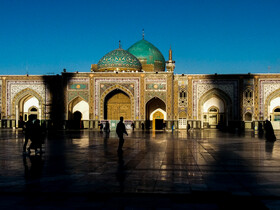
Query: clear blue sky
x=207 y=36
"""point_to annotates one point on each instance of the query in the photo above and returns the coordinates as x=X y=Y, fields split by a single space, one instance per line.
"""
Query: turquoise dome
x=119 y=59
x=144 y=50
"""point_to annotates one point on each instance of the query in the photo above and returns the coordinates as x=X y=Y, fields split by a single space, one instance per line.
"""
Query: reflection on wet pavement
x=152 y=162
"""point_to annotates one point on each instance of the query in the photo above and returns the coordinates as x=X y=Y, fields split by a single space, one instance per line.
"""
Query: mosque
x=140 y=85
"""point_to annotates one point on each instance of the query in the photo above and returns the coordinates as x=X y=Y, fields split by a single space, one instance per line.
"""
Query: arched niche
x=80 y=105
x=25 y=98
x=221 y=101
x=117 y=103
x=248 y=116
x=117 y=92
x=153 y=105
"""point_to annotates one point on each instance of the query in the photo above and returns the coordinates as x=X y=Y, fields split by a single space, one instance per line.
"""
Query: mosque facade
x=140 y=85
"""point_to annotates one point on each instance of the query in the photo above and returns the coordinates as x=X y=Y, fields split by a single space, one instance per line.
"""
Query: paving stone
x=157 y=170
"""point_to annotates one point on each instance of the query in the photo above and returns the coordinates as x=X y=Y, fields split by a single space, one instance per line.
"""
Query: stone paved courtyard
x=205 y=169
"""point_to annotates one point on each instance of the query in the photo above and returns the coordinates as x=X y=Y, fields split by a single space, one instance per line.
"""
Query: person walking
x=120 y=131
x=36 y=137
x=107 y=127
x=269 y=132
x=28 y=131
x=101 y=127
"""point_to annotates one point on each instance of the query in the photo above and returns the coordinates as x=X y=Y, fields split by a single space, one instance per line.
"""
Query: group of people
x=106 y=128
x=33 y=132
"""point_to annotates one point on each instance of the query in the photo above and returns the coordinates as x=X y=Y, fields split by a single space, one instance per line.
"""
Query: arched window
x=183 y=95
x=248 y=96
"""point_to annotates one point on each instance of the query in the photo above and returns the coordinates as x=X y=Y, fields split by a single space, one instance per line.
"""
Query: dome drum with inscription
x=119 y=60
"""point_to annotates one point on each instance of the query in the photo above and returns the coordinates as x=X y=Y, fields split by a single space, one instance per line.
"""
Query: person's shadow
x=269 y=145
x=33 y=170
x=105 y=143
x=121 y=173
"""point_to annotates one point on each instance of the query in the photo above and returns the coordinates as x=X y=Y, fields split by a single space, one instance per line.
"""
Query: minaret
x=170 y=64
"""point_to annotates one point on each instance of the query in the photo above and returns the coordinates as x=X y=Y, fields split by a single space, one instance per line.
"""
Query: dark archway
x=152 y=105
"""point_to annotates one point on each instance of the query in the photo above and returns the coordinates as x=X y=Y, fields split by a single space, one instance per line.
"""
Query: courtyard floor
x=202 y=169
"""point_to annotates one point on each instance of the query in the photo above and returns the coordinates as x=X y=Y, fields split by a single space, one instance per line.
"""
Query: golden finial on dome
x=143 y=33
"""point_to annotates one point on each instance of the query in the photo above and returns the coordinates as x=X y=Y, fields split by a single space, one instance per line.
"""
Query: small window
x=33 y=110
x=248 y=94
x=277 y=110
x=183 y=94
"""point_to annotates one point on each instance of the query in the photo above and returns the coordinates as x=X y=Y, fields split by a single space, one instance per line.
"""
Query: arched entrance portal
x=213 y=112
x=78 y=113
x=25 y=103
x=155 y=114
x=28 y=107
x=157 y=118
x=117 y=104
x=215 y=109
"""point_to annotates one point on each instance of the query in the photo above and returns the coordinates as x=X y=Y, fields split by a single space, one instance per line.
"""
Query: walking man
x=28 y=132
x=120 y=131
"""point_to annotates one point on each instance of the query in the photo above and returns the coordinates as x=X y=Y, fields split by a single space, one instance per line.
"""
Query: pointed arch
x=24 y=95
x=153 y=104
x=270 y=97
x=158 y=110
x=215 y=92
x=71 y=105
x=111 y=89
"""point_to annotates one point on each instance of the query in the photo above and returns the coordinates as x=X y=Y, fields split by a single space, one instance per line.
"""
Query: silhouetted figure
x=164 y=126
x=133 y=126
x=269 y=132
x=260 y=129
x=107 y=127
x=101 y=127
x=21 y=122
x=188 y=127
x=142 y=126
x=28 y=131
x=36 y=137
x=120 y=131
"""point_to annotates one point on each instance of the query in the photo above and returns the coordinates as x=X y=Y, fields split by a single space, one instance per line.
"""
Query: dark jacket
x=121 y=129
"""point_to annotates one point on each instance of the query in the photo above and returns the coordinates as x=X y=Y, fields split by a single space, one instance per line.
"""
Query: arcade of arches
x=140 y=85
